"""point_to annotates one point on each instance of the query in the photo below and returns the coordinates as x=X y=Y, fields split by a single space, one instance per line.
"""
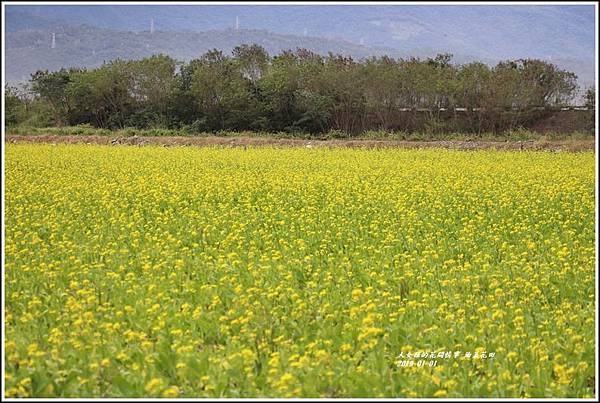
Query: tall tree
x=51 y=87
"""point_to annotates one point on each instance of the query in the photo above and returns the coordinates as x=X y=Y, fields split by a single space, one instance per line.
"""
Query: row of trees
x=295 y=91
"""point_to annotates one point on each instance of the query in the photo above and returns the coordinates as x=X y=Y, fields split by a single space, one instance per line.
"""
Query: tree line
x=295 y=91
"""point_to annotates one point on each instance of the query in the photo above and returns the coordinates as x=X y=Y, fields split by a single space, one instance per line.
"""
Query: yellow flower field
x=215 y=272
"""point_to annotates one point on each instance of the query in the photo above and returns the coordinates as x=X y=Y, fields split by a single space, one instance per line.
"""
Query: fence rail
x=461 y=109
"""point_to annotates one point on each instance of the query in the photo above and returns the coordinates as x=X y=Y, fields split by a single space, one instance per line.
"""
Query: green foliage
x=336 y=134
x=15 y=107
x=297 y=92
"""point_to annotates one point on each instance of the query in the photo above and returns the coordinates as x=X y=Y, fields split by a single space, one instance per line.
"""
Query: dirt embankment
x=541 y=145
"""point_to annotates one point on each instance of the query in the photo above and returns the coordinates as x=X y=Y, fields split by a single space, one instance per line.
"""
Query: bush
x=129 y=132
x=336 y=134
x=519 y=134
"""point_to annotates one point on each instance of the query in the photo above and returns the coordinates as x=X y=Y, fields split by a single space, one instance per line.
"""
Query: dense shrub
x=300 y=93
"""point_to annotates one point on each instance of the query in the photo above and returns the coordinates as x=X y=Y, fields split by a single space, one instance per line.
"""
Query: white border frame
x=292 y=3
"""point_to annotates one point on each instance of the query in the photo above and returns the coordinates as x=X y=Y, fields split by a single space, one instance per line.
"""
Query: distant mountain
x=496 y=31
x=28 y=50
x=561 y=34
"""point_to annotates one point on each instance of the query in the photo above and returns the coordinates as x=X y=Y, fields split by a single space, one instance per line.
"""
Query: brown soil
x=542 y=145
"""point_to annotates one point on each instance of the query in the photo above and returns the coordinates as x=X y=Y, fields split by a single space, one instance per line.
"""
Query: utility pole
x=53 y=40
x=151 y=26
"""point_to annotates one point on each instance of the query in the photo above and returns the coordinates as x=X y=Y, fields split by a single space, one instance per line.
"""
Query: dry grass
x=540 y=145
